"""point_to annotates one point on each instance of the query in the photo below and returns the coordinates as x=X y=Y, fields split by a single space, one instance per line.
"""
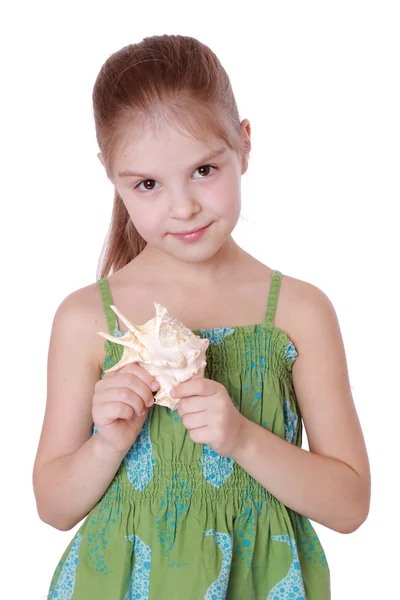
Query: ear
x=246 y=132
x=100 y=156
x=101 y=159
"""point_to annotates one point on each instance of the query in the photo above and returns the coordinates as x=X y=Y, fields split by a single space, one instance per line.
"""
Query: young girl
x=211 y=501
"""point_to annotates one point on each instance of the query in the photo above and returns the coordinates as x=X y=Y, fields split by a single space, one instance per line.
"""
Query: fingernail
x=154 y=386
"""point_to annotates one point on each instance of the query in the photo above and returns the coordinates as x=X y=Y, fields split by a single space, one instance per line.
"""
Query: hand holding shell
x=163 y=346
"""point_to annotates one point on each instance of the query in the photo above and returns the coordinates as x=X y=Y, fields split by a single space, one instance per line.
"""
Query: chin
x=199 y=254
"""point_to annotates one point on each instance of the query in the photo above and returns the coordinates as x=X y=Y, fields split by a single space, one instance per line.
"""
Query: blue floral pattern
x=217 y=335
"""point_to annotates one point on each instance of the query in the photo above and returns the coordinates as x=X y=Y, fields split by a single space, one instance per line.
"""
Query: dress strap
x=273 y=297
x=107 y=300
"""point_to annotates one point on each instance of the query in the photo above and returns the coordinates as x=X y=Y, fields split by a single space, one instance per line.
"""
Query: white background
x=319 y=82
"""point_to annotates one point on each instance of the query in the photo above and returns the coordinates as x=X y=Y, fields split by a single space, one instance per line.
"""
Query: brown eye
x=147 y=183
x=205 y=168
x=202 y=169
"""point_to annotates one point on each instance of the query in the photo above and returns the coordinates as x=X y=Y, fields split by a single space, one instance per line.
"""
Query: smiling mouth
x=192 y=236
x=190 y=232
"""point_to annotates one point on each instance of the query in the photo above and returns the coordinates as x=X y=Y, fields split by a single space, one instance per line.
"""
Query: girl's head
x=161 y=108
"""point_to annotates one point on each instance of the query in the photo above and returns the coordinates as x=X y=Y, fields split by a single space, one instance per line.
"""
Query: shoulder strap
x=107 y=300
x=273 y=297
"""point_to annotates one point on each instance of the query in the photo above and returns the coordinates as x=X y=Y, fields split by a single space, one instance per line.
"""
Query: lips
x=190 y=232
x=191 y=236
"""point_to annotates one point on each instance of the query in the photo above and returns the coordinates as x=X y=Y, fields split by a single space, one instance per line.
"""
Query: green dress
x=181 y=522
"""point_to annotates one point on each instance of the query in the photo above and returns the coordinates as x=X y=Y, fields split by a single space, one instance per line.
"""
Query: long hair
x=176 y=79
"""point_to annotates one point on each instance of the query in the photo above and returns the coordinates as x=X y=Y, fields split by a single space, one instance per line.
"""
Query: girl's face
x=173 y=184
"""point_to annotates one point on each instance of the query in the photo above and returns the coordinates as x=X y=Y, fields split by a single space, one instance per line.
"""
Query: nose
x=183 y=206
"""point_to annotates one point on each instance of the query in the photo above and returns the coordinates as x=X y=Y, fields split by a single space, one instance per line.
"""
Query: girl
x=211 y=501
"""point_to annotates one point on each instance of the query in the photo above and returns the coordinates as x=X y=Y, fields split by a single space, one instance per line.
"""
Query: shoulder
x=80 y=316
x=303 y=292
x=320 y=371
x=81 y=308
x=305 y=308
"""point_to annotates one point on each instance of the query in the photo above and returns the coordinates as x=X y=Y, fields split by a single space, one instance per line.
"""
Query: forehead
x=157 y=137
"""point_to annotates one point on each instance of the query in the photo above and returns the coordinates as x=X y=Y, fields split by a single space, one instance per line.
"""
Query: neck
x=167 y=269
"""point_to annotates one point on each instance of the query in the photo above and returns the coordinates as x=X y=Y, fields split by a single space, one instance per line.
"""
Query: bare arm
x=331 y=483
x=72 y=469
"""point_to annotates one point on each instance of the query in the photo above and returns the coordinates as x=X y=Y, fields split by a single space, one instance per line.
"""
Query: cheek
x=229 y=204
x=228 y=193
x=147 y=221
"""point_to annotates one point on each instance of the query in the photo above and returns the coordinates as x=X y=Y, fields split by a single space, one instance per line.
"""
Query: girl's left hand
x=209 y=414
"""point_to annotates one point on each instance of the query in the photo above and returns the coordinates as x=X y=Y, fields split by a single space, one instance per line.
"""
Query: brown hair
x=176 y=79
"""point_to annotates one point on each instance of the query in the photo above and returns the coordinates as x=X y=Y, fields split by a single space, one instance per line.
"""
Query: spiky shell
x=163 y=346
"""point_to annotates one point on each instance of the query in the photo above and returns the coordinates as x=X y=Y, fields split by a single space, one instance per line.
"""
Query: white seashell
x=163 y=346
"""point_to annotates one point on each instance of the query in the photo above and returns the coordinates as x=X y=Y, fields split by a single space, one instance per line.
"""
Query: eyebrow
x=214 y=154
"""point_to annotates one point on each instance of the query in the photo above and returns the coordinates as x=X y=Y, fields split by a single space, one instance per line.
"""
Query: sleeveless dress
x=181 y=522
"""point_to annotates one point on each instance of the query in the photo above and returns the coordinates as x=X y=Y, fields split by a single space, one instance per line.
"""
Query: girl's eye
x=205 y=167
x=146 y=189
x=147 y=181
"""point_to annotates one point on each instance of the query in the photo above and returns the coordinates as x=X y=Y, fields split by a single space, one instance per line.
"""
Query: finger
x=138 y=386
x=200 y=435
x=124 y=395
x=199 y=386
x=195 y=420
x=139 y=372
x=192 y=404
x=132 y=399
x=143 y=375
x=107 y=413
x=132 y=381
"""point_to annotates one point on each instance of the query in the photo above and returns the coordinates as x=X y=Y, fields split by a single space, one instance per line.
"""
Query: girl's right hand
x=120 y=405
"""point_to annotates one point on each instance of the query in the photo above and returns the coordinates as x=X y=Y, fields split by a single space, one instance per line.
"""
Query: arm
x=330 y=484
x=72 y=469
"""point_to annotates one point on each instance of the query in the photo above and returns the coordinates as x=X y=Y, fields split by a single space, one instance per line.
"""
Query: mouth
x=190 y=232
x=193 y=235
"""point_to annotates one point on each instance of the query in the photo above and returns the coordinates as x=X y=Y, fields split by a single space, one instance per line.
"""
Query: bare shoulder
x=84 y=303
x=81 y=314
x=301 y=293
x=302 y=306
x=313 y=326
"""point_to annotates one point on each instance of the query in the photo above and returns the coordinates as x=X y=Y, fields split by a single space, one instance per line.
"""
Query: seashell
x=163 y=346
